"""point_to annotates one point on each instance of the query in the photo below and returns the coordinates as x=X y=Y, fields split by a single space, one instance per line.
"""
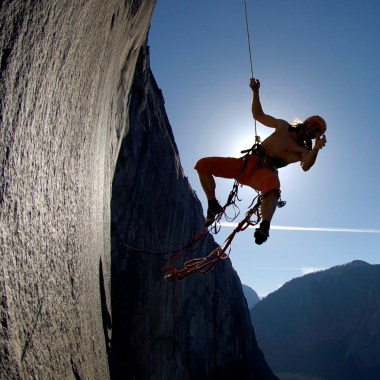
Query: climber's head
x=315 y=123
x=308 y=130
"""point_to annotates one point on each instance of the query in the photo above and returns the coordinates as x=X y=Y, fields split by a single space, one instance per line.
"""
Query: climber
x=286 y=145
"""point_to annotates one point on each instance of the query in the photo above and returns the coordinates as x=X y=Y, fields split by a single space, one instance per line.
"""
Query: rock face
x=66 y=72
x=331 y=319
x=67 y=109
x=197 y=328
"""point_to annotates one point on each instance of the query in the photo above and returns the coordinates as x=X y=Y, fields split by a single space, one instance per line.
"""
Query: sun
x=242 y=137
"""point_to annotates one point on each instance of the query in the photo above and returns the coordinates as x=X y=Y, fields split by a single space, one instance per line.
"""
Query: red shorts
x=258 y=177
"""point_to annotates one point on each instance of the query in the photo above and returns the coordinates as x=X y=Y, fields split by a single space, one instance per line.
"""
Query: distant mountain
x=324 y=325
x=251 y=296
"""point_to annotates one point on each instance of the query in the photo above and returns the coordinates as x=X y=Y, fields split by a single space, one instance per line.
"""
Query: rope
x=196 y=240
x=204 y=265
x=190 y=246
x=257 y=138
x=248 y=37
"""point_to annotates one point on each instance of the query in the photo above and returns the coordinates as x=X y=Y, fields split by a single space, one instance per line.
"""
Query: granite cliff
x=83 y=122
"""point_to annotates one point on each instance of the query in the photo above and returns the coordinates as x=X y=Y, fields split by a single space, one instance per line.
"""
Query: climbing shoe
x=262 y=233
x=214 y=208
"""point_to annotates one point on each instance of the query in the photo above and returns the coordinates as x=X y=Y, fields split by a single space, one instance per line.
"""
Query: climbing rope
x=257 y=137
x=248 y=36
x=192 y=245
x=204 y=265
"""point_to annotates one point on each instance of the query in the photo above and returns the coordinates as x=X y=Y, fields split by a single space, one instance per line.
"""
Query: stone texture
x=67 y=108
x=64 y=66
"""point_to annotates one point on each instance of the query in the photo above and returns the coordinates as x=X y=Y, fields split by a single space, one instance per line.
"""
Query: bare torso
x=282 y=144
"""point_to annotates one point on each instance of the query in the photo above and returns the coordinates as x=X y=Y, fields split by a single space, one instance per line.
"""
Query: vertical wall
x=63 y=66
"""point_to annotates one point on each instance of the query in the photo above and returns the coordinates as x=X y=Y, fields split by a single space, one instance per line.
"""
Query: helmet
x=318 y=120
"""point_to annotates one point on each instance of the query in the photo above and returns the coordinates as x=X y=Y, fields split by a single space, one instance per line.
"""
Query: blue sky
x=312 y=57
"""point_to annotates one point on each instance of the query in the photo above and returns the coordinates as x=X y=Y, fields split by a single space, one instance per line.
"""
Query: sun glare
x=243 y=138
